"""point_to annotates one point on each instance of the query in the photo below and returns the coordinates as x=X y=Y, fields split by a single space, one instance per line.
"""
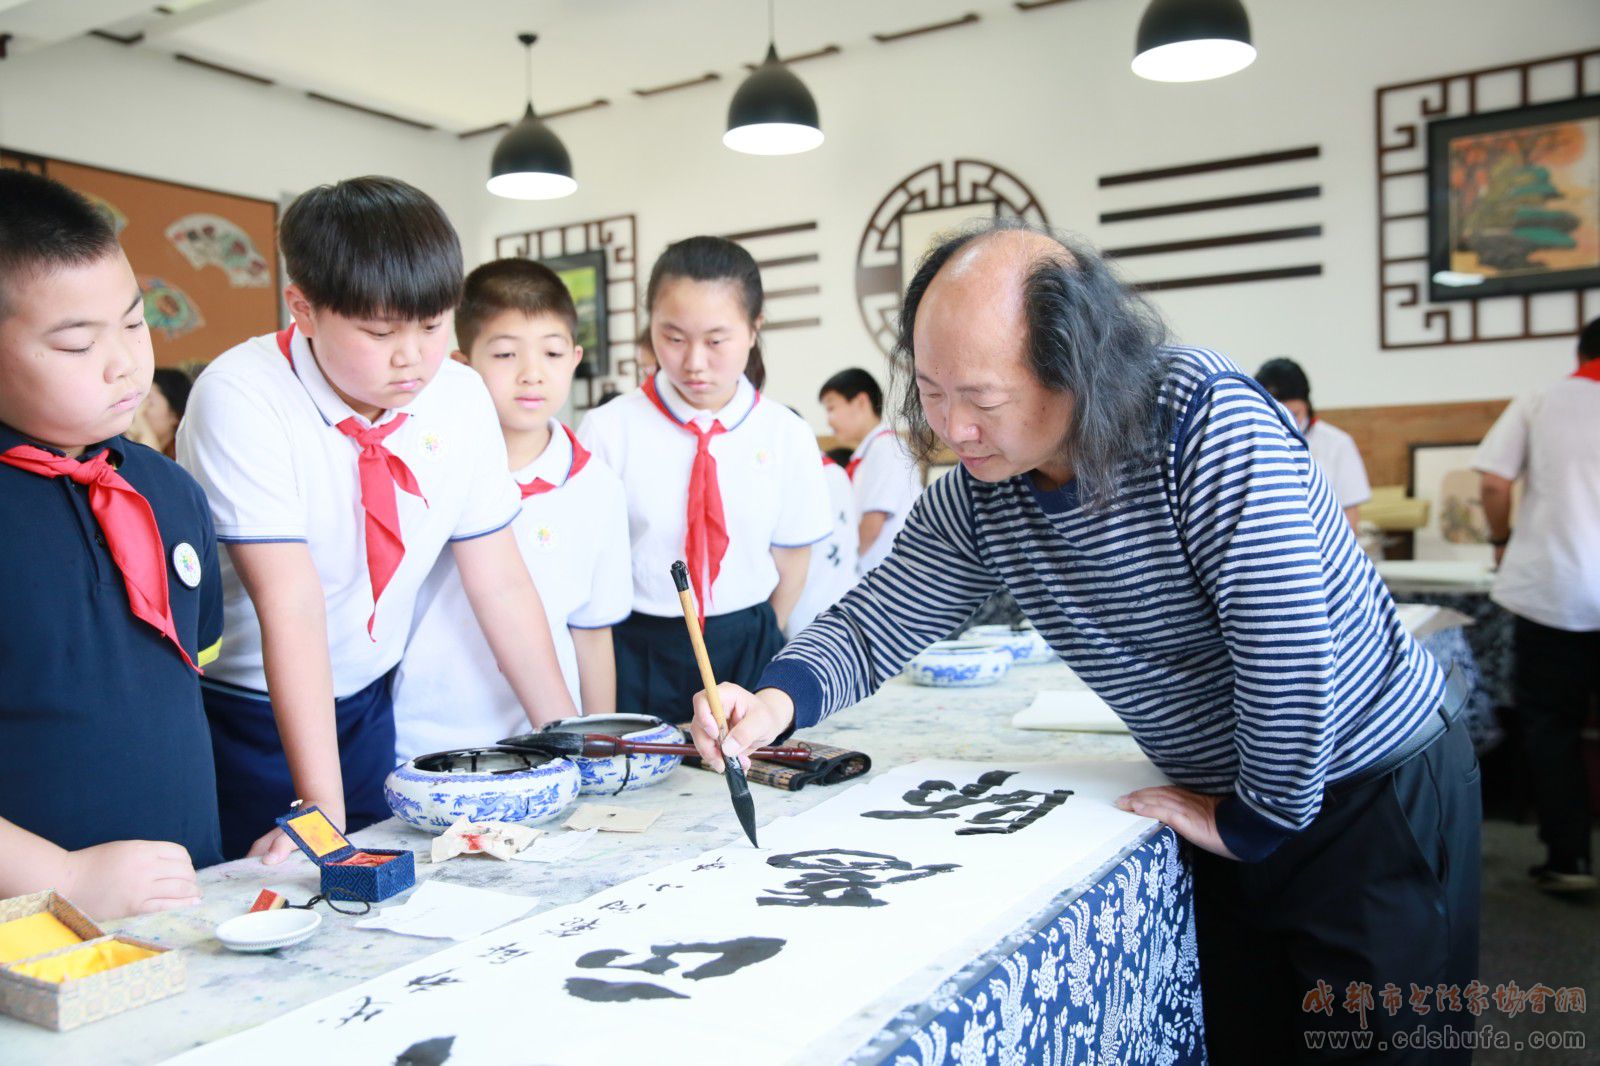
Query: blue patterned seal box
x=348 y=873
x=960 y=664
x=434 y=792
x=622 y=773
x=1027 y=646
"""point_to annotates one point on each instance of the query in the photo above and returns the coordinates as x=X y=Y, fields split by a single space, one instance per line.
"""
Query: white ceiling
x=456 y=63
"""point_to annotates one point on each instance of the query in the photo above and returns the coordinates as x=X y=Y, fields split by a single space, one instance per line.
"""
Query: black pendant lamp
x=530 y=162
x=1192 y=40
x=772 y=113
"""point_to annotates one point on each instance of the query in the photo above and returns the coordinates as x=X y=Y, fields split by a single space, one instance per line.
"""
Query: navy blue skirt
x=253 y=783
x=656 y=669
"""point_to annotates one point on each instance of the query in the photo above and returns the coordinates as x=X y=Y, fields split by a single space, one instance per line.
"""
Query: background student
x=515 y=328
x=882 y=470
x=341 y=456
x=714 y=476
x=1333 y=449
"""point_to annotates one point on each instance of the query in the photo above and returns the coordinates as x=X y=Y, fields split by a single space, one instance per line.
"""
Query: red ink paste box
x=60 y=970
x=348 y=873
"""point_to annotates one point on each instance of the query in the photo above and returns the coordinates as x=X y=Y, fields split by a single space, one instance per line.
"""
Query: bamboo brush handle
x=680 y=577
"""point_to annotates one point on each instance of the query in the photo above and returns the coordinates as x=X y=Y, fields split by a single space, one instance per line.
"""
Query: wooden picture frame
x=1442 y=475
x=584 y=274
x=1514 y=199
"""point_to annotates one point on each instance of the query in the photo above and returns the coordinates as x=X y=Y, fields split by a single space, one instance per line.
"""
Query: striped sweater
x=1221 y=606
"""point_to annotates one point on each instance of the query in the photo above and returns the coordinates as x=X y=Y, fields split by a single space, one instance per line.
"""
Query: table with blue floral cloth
x=1105 y=973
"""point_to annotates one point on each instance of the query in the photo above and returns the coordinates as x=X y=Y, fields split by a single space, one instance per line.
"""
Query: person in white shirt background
x=516 y=327
x=832 y=572
x=1549 y=578
x=1331 y=447
x=881 y=469
x=715 y=475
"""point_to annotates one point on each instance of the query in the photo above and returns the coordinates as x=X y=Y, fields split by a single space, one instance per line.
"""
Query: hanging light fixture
x=1192 y=40
x=772 y=113
x=530 y=162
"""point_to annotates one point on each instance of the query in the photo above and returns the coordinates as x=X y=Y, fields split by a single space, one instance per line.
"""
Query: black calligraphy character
x=835 y=877
x=434 y=1052
x=502 y=954
x=715 y=864
x=664 y=886
x=730 y=956
x=365 y=1011
x=1011 y=811
x=427 y=982
x=572 y=927
x=623 y=907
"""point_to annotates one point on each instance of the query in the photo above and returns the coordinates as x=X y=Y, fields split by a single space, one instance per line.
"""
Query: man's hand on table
x=1191 y=815
x=754 y=720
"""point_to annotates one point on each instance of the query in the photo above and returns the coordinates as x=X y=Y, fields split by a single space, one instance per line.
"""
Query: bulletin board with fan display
x=205 y=260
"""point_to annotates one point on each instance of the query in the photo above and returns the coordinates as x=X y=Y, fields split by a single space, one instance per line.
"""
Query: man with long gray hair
x=1161 y=523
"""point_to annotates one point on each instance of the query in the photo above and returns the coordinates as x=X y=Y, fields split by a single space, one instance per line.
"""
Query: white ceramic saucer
x=268 y=930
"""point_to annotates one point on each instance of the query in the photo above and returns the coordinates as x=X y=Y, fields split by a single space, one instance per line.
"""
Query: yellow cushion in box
x=86 y=961
x=23 y=938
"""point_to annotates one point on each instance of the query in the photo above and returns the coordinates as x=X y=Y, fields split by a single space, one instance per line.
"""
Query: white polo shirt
x=832 y=571
x=448 y=691
x=886 y=480
x=1551 y=569
x=1336 y=455
x=260 y=436
x=769 y=471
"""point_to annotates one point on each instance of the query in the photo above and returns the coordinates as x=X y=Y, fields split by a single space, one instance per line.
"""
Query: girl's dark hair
x=174 y=385
x=848 y=384
x=372 y=247
x=715 y=259
x=1089 y=334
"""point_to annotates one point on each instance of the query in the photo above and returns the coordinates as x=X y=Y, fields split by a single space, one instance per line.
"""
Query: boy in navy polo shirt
x=109 y=577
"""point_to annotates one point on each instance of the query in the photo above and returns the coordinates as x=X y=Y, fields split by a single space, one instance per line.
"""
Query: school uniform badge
x=186 y=561
x=432 y=444
x=545 y=538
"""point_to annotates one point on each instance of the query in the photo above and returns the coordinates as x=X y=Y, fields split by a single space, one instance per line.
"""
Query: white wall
x=1049 y=96
x=1046 y=95
x=131 y=109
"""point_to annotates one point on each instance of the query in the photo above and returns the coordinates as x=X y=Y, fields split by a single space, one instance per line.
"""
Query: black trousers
x=656 y=669
x=1382 y=889
x=1557 y=679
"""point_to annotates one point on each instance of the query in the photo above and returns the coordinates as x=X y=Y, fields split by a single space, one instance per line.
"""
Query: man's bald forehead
x=1002 y=258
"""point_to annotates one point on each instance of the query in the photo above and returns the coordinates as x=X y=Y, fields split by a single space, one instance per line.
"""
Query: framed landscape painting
x=1514 y=201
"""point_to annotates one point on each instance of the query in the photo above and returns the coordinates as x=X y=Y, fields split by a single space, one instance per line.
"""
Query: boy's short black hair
x=372 y=248
x=852 y=383
x=45 y=226
x=1589 y=341
x=1284 y=379
x=511 y=285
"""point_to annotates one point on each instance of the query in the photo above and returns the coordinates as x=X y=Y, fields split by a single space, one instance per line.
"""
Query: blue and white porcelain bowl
x=1027 y=646
x=960 y=664
x=622 y=773
x=434 y=792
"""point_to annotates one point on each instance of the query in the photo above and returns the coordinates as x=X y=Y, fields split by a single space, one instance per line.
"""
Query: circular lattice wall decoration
x=928 y=201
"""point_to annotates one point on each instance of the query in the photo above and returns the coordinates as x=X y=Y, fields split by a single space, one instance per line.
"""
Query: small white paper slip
x=555 y=847
x=452 y=912
x=1078 y=711
x=612 y=819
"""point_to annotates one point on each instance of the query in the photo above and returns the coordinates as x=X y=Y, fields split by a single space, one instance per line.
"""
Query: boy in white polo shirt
x=341 y=456
x=881 y=469
x=515 y=327
x=1332 y=449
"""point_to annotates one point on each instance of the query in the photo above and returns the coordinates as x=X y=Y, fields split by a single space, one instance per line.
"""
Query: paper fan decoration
x=169 y=309
x=211 y=240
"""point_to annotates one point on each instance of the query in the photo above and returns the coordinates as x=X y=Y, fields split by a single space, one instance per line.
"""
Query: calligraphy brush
x=733 y=770
x=602 y=746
